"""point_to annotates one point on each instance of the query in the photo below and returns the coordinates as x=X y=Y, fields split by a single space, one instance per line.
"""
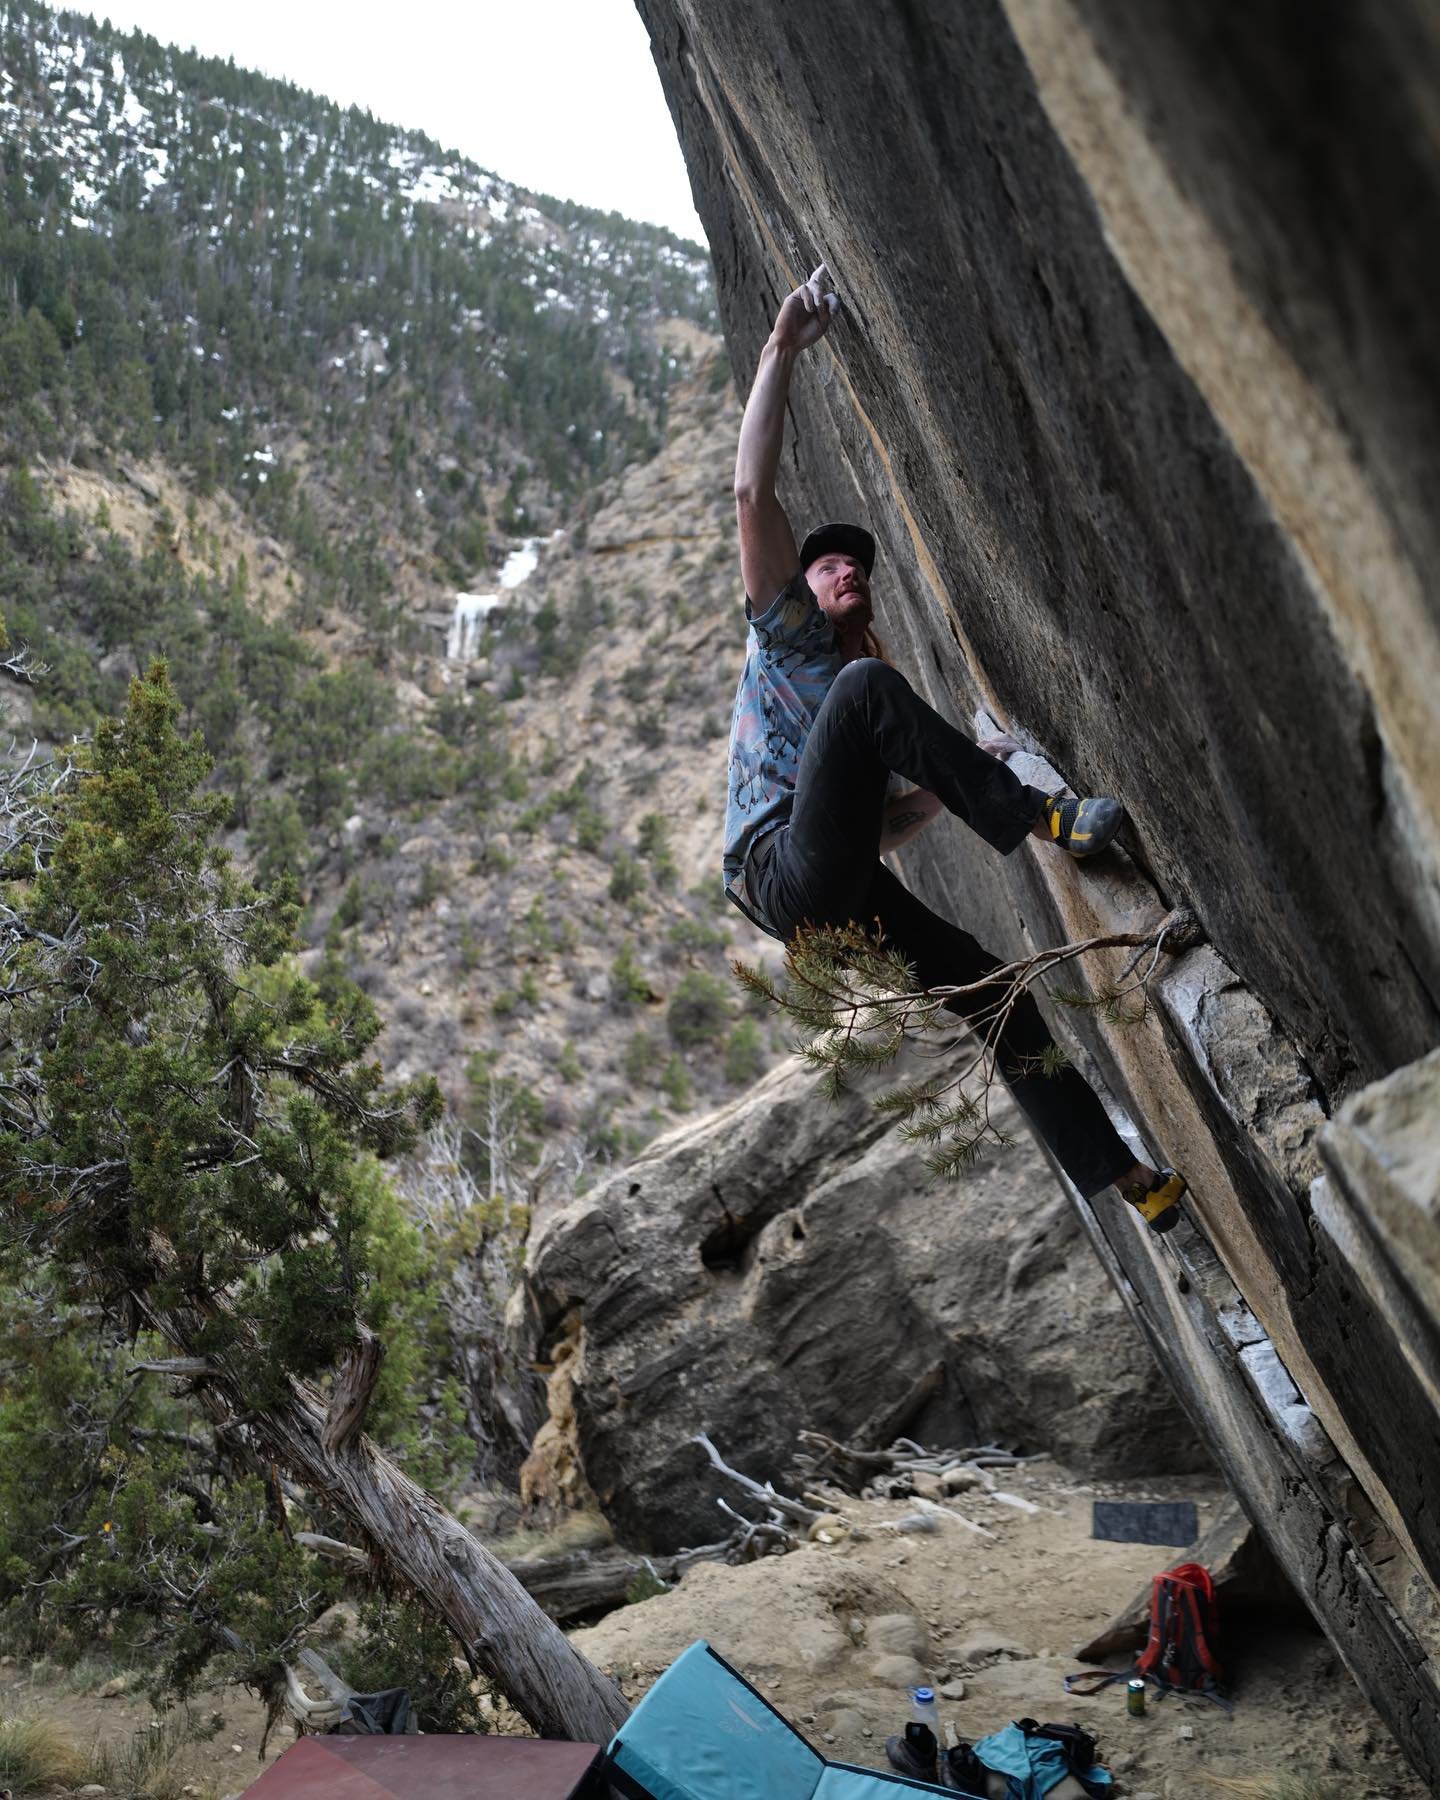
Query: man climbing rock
x=822 y=726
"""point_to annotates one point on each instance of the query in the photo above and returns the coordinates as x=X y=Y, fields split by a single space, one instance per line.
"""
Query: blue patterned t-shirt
x=791 y=658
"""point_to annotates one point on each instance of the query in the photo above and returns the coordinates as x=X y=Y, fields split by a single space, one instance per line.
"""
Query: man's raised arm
x=768 y=556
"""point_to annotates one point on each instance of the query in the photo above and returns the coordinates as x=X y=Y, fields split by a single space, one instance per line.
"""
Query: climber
x=824 y=726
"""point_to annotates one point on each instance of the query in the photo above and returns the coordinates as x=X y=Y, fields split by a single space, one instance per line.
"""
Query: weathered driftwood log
x=581 y=1582
x=756 y=1537
x=332 y=1548
x=776 y=1532
x=793 y=1510
x=571 y=1584
x=845 y=1466
x=854 y=1468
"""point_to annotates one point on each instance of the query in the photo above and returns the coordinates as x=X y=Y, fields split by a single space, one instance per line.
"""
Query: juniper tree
x=184 y=1127
x=126 y=1521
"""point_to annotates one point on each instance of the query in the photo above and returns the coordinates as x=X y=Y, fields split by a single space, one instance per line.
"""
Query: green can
x=1135 y=1698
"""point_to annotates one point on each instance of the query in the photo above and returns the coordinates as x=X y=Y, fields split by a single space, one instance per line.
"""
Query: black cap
x=849 y=540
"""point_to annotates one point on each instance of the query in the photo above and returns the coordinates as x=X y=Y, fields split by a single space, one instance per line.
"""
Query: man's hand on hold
x=805 y=316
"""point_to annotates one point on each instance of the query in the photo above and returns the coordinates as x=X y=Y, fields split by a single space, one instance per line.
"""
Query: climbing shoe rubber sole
x=1083 y=827
x=1157 y=1206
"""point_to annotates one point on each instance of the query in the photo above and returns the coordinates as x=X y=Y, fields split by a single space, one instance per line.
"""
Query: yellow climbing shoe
x=1156 y=1204
x=1083 y=827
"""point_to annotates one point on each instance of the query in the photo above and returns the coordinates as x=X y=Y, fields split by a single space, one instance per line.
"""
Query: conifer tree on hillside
x=183 y=1127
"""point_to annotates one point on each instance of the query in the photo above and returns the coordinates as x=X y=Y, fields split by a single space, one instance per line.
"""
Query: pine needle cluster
x=857 y=1003
x=853 y=997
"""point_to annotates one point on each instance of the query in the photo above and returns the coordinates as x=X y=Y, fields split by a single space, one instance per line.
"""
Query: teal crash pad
x=703 y=1733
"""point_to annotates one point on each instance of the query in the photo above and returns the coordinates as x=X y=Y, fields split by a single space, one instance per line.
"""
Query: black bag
x=1079 y=1748
x=967 y=1772
x=386 y=1714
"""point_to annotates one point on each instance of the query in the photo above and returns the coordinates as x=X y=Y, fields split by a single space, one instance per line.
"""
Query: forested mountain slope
x=278 y=384
x=384 y=351
x=279 y=380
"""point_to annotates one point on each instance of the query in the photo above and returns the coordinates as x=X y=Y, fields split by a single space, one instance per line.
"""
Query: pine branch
x=857 y=1005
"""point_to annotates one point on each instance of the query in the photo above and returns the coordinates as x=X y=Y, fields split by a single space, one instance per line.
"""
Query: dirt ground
x=206 y=1752
x=833 y=1635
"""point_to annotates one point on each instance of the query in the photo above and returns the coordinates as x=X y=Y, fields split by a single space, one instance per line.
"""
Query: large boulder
x=1137 y=386
x=788 y=1263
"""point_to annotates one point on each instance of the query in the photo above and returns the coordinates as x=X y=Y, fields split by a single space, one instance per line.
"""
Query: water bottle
x=925 y=1709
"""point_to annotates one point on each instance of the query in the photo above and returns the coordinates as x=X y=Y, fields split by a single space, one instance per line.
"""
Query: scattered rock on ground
x=1041 y=1580
x=899 y=1634
x=987 y=1647
x=896 y=1671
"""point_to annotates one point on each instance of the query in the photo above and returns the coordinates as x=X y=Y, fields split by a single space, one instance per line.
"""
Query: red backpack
x=1184 y=1631
x=1180 y=1652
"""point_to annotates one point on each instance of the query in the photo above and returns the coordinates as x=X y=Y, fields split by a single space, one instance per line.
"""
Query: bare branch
x=763 y=1492
x=351 y=1396
x=858 y=1001
x=333 y=1549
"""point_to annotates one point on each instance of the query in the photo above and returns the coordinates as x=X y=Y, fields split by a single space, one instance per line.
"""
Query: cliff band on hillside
x=1136 y=389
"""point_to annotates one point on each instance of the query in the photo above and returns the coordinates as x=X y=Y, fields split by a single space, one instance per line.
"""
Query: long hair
x=870 y=645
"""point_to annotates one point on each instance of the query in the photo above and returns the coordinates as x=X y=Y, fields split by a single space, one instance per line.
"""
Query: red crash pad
x=427 y=1768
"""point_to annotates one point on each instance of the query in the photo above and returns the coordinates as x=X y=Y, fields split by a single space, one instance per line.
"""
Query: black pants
x=824 y=868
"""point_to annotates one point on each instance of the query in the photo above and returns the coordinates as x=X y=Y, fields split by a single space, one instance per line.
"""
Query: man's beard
x=846 y=607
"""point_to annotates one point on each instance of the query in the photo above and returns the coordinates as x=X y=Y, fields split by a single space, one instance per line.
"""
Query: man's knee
x=864 y=676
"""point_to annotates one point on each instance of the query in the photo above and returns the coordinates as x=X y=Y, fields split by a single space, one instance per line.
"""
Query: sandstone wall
x=1137 y=387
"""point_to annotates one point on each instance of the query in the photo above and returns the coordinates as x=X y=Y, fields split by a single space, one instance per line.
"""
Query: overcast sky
x=560 y=95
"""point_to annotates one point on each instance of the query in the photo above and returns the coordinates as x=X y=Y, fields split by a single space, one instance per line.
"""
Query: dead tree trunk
x=506 y=1635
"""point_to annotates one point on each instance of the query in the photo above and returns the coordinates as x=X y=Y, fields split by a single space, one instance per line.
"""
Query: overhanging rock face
x=1137 y=387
